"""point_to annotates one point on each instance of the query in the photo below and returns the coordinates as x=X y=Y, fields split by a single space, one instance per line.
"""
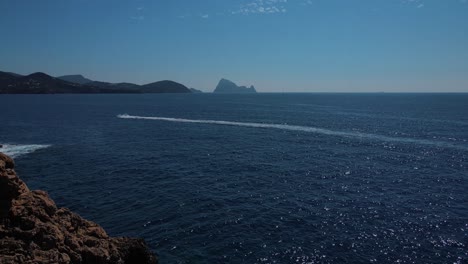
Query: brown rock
x=34 y=230
x=10 y=185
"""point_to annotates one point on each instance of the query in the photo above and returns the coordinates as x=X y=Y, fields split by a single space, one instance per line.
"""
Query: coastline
x=34 y=230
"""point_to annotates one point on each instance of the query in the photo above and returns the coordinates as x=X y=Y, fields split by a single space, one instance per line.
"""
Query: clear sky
x=276 y=45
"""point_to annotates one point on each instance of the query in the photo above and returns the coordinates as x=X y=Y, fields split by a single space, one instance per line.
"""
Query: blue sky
x=276 y=45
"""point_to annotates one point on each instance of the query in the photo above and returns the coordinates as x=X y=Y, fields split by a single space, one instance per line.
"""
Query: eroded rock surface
x=34 y=230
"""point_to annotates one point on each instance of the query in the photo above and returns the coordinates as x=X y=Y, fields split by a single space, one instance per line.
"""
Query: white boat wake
x=14 y=150
x=307 y=129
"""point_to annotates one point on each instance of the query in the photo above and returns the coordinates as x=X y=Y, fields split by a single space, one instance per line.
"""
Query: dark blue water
x=295 y=178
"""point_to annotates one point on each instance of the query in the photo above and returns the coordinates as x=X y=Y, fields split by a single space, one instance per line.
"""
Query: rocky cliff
x=34 y=230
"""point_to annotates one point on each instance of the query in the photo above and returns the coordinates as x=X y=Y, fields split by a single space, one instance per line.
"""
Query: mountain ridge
x=75 y=78
x=41 y=83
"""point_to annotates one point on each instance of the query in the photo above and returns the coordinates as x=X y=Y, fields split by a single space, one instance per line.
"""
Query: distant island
x=41 y=83
x=226 y=86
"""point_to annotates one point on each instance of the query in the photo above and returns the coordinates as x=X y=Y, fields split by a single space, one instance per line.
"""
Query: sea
x=255 y=178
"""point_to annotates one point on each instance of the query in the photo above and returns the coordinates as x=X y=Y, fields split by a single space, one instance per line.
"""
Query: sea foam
x=307 y=129
x=16 y=150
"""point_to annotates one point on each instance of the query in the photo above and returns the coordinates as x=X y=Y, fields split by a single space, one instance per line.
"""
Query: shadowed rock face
x=34 y=230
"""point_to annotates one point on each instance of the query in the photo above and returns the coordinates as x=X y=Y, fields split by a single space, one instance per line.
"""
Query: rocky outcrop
x=226 y=86
x=34 y=230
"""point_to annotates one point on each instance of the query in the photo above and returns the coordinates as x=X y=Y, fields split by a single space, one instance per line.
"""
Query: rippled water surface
x=263 y=178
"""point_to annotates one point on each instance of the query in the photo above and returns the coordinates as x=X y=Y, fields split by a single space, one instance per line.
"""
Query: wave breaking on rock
x=15 y=150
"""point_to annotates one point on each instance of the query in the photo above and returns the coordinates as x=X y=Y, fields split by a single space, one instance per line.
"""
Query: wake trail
x=15 y=150
x=307 y=129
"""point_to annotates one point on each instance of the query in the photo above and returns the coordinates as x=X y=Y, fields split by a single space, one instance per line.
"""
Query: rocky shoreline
x=34 y=230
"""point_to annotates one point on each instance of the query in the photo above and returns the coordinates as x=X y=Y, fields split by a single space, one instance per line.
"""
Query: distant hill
x=155 y=87
x=77 y=78
x=41 y=83
x=226 y=86
x=13 y=74
x=118 y=86
x=193 y=90
x=164 y=87
x=5 y=77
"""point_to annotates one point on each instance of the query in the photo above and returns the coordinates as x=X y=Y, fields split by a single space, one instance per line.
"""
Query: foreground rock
x=34 y=230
